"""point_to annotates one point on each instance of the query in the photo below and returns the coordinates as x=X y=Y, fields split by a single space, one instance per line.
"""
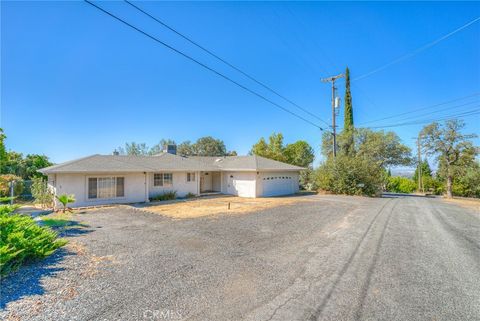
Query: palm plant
x=65 y=199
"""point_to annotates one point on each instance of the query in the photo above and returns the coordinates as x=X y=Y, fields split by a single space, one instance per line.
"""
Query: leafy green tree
x=14 y=164
x=426 y=170
x=348 y=129
x=32 y=163
x=159 y=147
x=299 y=153
x=384 y=148
x=209 y=146
x=399 y=184
x=274 y=149
x=3 y=152
x=453 y=150
x=260 y=148
x=134 y=149
x=185 y=149
x=468 y=184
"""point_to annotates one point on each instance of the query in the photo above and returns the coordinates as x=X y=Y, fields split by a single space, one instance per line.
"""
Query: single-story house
x=107 y=179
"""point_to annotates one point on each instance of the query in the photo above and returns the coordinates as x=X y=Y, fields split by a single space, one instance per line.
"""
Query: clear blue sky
x=76 y=82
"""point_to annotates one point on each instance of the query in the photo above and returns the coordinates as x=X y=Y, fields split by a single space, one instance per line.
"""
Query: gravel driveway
x=334 y=258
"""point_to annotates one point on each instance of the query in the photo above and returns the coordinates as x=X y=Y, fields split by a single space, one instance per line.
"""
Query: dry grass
x=467 y=203
x=216 y=205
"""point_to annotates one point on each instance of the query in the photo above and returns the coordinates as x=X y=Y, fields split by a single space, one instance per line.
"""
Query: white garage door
x=276 y=185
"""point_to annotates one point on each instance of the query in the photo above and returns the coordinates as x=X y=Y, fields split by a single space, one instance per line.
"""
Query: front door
x=231 y=185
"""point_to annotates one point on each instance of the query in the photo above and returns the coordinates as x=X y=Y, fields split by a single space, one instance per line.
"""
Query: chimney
x=116 y=152
x=171 y=149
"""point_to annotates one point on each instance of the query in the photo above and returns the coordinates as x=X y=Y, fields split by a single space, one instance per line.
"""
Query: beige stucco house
x=107 y=179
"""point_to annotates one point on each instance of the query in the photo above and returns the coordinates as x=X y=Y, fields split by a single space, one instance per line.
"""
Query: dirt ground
x=466 y=202
x=206 y=206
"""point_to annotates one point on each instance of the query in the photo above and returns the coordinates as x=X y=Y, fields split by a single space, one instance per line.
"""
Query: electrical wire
x=421 y=108
x=204 y=65
x=416 y=51
x=468 y=113
x=224 y=61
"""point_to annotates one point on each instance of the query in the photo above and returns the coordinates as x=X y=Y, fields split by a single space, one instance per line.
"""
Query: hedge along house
x=108 y=179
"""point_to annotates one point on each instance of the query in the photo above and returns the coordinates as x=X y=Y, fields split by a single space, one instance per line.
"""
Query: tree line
x=362 y=165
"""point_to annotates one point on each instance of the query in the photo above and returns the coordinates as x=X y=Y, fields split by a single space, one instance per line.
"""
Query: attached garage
x=277 y=185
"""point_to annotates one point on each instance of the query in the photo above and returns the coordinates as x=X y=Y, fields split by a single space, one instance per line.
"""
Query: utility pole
x=419 y=171
x=334 y=126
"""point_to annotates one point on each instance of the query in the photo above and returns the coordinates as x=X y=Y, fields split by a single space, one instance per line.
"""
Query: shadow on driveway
x=27 y=280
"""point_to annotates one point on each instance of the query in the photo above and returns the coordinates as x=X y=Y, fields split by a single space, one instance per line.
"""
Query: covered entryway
x=210 y=182
x=278 y=184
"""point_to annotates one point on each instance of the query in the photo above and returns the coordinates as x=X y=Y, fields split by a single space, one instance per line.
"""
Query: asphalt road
x=331 y=258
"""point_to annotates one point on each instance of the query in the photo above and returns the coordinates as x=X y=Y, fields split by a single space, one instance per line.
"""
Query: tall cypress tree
x=348 y=116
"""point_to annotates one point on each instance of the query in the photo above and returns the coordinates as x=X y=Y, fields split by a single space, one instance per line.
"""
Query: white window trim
x=163 y=180
x=109 y=198
x=194 y=177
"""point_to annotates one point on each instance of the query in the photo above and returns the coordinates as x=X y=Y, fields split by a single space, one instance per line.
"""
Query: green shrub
x=65 y=199
x=5 y=185
x=190 y=195
x=468 y=184
x=22 y=240
x=350 y=175
x=41 y=193
x=165 y=196
x=433 y=185
x=399 y=184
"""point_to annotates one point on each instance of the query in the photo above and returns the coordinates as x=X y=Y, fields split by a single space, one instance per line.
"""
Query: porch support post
x=198 y=183
x=147 y=192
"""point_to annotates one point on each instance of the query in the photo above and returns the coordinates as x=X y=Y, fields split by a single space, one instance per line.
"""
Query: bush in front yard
x=166 y=196
x=22 y=240
x=398 y=184
x=350 y=175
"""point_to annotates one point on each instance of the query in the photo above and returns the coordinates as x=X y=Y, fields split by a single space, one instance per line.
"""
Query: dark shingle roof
x=164 y=161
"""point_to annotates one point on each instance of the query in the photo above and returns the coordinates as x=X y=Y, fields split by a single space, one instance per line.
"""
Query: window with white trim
x=190 y=177
x=163 y=179
x=106 y=187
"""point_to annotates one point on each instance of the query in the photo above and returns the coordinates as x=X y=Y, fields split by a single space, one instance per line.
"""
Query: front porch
x=210 y=183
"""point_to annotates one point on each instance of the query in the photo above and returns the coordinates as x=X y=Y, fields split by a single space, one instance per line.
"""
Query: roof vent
x=116 y=152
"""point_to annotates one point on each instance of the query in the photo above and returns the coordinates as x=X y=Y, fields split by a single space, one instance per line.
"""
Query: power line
x=421 y=108
x=468 y=113
x=416 y=51
x=224 y=61
x=203 y=65
x=439 y=110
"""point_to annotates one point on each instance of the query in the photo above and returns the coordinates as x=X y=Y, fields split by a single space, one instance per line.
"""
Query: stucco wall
x=241 y=184
x=77 y=184
x=180 y=185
